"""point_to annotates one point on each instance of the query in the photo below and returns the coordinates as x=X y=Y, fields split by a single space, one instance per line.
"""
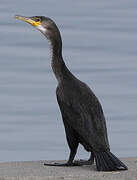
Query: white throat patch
x=41 y=28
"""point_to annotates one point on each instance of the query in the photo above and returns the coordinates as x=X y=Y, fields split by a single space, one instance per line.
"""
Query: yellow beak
x=28 y=20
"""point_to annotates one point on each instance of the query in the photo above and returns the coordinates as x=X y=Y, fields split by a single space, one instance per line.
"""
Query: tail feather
x=111 y=165
x=97 y=161
x=102 y=160
x=106 y=161
x=106 y=165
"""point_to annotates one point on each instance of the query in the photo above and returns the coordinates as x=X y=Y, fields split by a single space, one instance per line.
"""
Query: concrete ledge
x=37 y=171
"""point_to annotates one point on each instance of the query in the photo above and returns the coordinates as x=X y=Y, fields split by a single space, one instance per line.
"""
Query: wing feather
x=85 y=115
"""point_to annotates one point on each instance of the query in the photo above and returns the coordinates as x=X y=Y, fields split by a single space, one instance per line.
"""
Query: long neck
x=57 y=63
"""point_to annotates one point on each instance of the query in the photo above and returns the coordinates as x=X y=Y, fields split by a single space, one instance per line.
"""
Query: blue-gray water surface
x=100 y=48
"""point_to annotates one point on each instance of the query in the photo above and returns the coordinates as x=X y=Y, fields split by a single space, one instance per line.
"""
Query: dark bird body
x=81 y=111
x=82 y=115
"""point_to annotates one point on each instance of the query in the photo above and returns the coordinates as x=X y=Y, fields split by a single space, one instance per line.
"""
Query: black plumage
x=81 y=111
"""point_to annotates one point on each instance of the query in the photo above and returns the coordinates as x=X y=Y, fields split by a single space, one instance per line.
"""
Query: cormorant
x=81 y=110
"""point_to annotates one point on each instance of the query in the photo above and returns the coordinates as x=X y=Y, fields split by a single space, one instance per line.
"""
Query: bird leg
x=90 y=161
x=68 y=163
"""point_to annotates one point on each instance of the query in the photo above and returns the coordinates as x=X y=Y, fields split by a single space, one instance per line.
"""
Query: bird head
x=44 y=24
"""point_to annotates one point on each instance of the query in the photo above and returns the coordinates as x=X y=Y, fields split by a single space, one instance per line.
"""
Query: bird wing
x=85 y=115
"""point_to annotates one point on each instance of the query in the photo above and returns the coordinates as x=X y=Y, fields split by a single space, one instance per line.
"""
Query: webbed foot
x=82 y=162
x=63 y=164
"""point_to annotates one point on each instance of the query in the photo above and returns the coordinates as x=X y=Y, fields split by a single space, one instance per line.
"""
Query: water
x=100 y=48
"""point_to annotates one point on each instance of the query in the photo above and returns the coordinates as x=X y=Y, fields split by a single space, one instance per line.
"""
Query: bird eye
x=38 y=19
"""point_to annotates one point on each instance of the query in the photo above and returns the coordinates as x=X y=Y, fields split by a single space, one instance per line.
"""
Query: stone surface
x=37 y=171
